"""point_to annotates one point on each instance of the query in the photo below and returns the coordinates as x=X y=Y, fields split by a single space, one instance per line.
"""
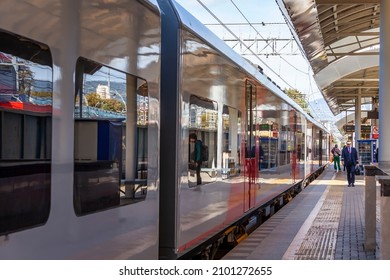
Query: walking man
x=336 y=157
x=350 y=158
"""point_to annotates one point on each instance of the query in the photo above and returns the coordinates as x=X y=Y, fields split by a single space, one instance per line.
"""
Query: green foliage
x=94 y=100
x=41 y=94
x=299 y=98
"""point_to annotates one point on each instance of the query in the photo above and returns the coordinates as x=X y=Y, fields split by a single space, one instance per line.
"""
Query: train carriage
x=256 y=137
x=79 y=170
x=129 y=131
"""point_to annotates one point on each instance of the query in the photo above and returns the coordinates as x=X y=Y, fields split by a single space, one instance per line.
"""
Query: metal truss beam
x=265 y=47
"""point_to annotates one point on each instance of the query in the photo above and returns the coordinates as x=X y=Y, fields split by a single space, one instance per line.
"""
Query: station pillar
x=358 y=116
x=384 y=132
x=384 y=87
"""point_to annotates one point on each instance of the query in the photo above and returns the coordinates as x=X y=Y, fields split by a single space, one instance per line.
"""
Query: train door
x=294 y=155
x=251 y=166
x=320 y=149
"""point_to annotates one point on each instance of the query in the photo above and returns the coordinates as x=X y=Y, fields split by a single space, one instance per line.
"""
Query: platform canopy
x=340 y=39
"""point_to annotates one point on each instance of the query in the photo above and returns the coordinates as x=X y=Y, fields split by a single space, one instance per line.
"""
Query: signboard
x=365 y=129
x=349 y=128
x=373 y=115
x=264 y=127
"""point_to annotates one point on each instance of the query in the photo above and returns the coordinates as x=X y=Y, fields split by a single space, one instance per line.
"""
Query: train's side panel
x=228 y=111
x=255 y=140
x=124 y=36
x=317 y=148
x=209 y=83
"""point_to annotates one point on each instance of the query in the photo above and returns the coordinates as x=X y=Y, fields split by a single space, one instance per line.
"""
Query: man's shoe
x=353 y=185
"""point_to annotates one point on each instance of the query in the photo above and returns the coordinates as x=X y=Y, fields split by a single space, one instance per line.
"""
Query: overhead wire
x=305 y=73
x=314 y=111
x=258 y=33
x=242 y=42
x=311 y=90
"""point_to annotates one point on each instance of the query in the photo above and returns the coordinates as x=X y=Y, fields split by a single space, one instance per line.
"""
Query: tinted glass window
x=25 y=132
x=111 y=136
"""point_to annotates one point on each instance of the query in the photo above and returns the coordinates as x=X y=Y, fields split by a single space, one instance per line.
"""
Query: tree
x=26 y=77
x=94 y=100
x=299 y=98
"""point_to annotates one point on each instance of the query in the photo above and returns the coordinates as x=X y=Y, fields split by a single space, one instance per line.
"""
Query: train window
x=25 y=132
x=231 y=122
x=202 y=141
x=111 y=136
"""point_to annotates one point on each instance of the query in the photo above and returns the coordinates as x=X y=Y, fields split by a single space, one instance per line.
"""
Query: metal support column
x=358 y=116
x=384 y=87
x=384 y=133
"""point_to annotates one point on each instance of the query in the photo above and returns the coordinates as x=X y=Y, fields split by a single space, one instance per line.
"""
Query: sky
x=267 y=21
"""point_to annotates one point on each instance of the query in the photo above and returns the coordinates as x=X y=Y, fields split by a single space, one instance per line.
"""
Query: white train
x=98 y=102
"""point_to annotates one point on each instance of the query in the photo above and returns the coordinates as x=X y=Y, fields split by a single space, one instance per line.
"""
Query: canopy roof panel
x=340 y=39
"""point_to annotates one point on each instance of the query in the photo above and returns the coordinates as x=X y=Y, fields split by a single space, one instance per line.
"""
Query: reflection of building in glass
x=202 y=118
x=193 y=116
x=7 y=75
x=211 y=119
x=103 y=91
x=225 y=122
x=17 y=82
x=142 y=110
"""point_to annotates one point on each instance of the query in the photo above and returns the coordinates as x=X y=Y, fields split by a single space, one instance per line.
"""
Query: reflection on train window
x=26 y=95
x=251 y=119
x=111 y=136
x=231 y=123
x=268 y=148
x=203 y=149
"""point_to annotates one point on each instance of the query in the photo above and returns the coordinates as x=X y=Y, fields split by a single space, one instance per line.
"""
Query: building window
x=26 y=95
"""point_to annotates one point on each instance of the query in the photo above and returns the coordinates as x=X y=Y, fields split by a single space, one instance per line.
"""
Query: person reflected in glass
x=299 y=152
x=261 y=154
x=377 y=155
x=196 y=157
x=342 y=159
x=350 y=157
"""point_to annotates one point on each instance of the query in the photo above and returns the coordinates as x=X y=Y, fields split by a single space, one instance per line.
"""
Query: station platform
x=323 y=222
